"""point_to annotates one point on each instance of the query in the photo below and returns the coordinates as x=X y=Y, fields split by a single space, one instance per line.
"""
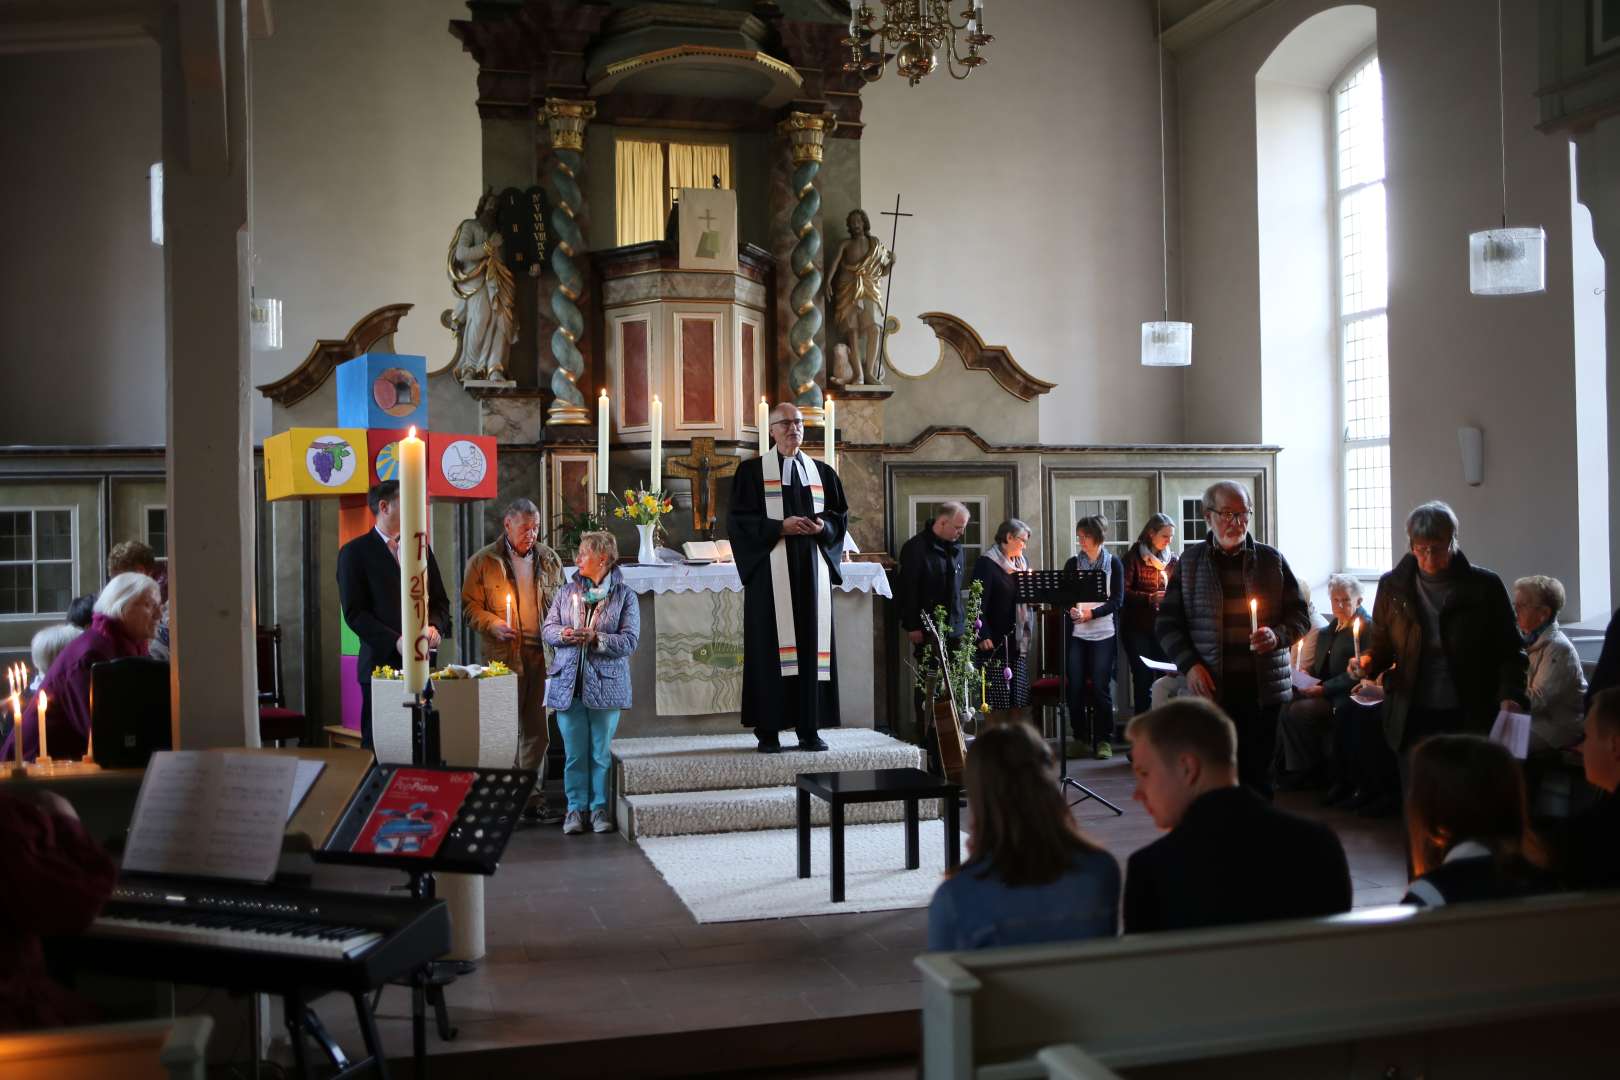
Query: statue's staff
x=883 y=334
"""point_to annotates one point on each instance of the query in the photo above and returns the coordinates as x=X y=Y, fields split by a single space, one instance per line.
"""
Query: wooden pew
x=1304 y=990
x=146 y=1050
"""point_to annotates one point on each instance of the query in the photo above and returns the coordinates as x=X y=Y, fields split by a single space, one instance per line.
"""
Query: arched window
x=1356 y=103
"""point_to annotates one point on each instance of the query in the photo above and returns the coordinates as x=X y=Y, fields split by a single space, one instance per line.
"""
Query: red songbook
x=414 y=814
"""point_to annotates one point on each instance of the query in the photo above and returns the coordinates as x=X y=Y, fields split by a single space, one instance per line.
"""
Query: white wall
x=1036 y=188
x=1297 y=321
x=1591 y=406
x=1505 y=364
x=81 y=290
x=366 y=157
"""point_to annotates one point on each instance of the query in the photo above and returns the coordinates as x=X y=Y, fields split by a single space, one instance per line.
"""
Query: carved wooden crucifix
x=703 y=467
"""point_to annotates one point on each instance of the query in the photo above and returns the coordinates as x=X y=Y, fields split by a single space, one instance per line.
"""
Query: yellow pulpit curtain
x=644 y=194
x=640 y=202
x=696 y=165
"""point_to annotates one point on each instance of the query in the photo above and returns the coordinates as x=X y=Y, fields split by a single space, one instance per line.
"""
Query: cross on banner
x=883 y=335
x=707 y=219
x=704 y=468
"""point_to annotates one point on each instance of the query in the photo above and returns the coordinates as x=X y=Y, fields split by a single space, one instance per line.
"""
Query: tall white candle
x=44 y=748
x=657 y=443
x=762 y=419
x=413 y=543
x=602 y=443
x=1254 y=615
x=1355 y=635
x=830 y=453
x=508 y=609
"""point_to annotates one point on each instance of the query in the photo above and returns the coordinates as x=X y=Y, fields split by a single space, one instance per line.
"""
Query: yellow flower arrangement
x=493 y=670
x=643 y=507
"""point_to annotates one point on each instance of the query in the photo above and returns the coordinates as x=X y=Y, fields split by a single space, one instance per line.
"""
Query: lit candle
x=602 y=425
x=1298 y=647
x=984 y=702
x=1254 y=615
x=762 y=418
x=657 y=444
x=44 y=748
x=90 y=749
x=17 y=675
x=1355 y=635
x=508 y=609
x=413 y=542
x=829 y=454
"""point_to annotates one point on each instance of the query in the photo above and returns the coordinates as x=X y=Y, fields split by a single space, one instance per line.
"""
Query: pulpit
x=694 y=338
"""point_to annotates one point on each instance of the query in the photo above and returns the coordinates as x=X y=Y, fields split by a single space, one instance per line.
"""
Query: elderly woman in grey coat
x=1557 y=685
x=592 y=626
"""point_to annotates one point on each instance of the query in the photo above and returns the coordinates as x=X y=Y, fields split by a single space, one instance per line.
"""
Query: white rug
x=730 y=877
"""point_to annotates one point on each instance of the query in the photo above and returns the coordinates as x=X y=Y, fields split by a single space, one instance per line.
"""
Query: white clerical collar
x=799 y=462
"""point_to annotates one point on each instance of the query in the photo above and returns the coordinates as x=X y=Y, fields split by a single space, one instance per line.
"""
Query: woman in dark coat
x=1006 y=625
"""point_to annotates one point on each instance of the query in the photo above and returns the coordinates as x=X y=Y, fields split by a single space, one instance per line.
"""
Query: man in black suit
x=368 y=586
x=1230 y=857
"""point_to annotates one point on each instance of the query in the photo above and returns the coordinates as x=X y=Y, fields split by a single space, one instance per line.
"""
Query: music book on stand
x=203 y=813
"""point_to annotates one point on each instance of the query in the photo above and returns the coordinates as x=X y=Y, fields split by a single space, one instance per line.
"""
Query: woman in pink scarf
x=126 y=614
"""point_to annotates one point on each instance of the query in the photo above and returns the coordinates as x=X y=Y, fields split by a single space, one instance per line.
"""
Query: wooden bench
x=1318 y=989
x=338 y=735
x=174 y=1049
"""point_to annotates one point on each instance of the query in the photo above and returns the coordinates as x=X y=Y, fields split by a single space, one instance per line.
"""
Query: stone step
x=683 y=813
x=689 y=763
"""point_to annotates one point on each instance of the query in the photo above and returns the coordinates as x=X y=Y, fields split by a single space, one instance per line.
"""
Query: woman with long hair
x=1147 y=572
x=1468 y=828
x=1031 y=876
x=1008 y=625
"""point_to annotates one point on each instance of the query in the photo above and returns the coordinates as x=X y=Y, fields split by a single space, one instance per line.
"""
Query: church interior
x=531 y=285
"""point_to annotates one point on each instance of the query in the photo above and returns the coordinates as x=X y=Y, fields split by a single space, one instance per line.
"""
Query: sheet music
x=1304 y=680
x=303 y=780
x=211 y=814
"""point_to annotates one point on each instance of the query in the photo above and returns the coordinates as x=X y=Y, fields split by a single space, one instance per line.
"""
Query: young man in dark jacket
x=1229 y=856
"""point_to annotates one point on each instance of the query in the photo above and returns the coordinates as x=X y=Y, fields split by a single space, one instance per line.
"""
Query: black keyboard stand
x=302 y=1020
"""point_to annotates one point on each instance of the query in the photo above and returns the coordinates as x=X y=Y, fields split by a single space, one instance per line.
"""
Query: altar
x=686 y=674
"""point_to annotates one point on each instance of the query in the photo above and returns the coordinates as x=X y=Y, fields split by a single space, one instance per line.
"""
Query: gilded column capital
x=567 y=120
x=808 y=132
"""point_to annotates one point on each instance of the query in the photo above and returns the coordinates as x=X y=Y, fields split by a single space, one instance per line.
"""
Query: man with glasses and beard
x=1231 y=611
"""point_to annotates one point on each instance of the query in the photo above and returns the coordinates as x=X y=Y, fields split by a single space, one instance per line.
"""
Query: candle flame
x=655 y=399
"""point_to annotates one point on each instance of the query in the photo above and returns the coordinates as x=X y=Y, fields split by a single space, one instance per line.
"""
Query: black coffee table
x=875 y=785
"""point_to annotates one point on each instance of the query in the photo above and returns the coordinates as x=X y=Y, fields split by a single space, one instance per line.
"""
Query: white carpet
x=730 y=877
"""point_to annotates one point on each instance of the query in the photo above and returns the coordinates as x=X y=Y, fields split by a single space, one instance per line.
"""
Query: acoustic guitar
x=947 y=722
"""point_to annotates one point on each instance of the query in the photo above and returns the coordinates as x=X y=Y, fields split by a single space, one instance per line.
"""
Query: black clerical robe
x=770 y=702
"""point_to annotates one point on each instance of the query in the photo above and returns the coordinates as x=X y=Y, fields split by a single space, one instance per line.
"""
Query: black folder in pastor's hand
x=420 y=818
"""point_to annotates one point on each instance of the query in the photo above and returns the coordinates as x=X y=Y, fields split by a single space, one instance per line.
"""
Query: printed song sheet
x=211 y=814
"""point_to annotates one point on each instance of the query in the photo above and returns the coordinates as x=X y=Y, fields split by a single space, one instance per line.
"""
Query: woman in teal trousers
x=593 y=626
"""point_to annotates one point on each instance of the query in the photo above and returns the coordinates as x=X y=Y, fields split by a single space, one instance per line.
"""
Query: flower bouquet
x=643 y=508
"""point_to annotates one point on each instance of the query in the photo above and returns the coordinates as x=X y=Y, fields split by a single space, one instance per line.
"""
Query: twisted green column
x=567 y=120
x=808 y=133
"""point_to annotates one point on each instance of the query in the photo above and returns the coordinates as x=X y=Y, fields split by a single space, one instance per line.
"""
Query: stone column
x=206 y=175
x=567 y=120
x=807 y=132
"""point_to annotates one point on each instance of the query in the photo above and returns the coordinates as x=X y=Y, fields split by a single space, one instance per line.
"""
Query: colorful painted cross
x=380 y=396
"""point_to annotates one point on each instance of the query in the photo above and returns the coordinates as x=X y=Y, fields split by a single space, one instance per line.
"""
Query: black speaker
x=129 y=711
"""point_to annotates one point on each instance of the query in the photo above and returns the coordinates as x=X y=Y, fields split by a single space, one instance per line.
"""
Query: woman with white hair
x=1557 y=685
x=47 y=645
x=126 y=614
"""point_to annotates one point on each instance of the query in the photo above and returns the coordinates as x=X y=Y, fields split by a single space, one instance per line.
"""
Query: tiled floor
x=586 y=941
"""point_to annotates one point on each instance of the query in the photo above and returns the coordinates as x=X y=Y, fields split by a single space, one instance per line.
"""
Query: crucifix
x=703 y=467
x=883 y=334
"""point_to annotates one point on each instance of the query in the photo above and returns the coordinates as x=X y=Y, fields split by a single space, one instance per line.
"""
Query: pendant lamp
x=1164 y=343
x=1504 y=261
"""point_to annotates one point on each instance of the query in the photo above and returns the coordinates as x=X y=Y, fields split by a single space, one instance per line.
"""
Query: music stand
x=1057 y=589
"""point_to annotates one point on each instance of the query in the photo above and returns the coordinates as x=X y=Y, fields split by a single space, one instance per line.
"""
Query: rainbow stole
x=787 y=642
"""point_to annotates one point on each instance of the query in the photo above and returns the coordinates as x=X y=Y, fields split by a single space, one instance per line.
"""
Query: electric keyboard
x=268 y=939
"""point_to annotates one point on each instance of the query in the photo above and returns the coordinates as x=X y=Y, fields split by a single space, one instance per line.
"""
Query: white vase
x=648 y=552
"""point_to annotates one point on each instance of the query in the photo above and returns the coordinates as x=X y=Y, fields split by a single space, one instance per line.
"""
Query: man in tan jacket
x=504 y=595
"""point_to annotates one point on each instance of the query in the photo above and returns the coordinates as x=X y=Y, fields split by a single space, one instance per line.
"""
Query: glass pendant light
x=1165 y=343
x=1504 y=261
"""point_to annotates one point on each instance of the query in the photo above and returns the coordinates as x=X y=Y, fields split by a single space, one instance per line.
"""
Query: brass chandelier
x=915 y=32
